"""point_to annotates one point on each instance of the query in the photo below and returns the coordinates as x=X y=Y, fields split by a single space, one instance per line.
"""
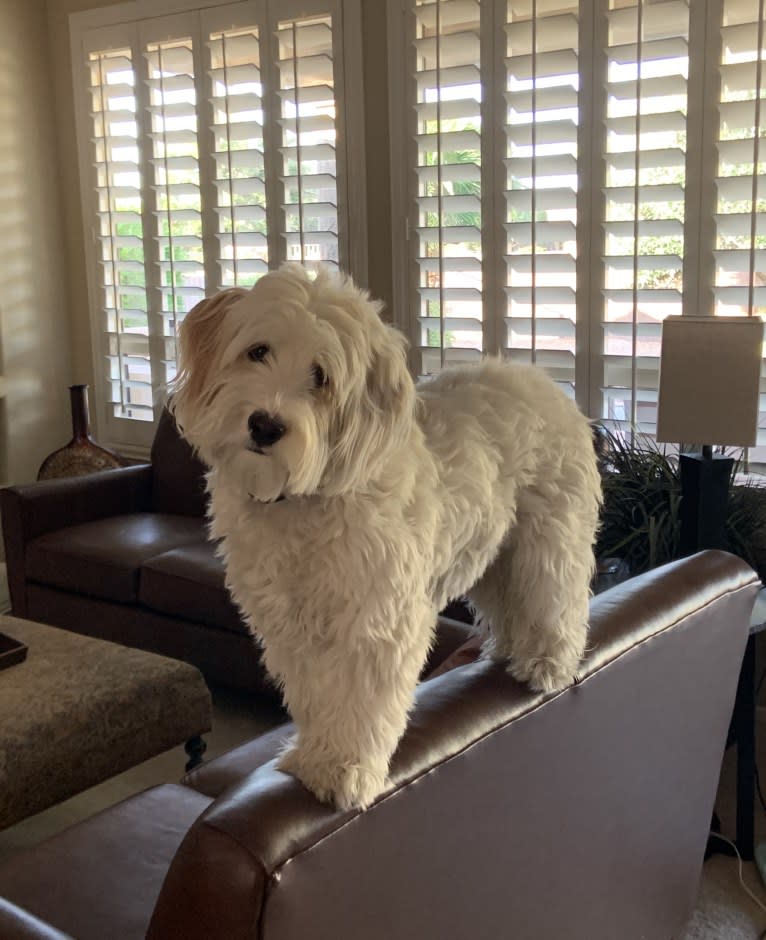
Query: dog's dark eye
x=320 y=377
x=258 y=353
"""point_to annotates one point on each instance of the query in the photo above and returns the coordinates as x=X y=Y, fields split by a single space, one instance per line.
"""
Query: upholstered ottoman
x=78 y=710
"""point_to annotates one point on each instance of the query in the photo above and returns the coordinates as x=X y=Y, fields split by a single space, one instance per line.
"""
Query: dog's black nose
x=265 y=429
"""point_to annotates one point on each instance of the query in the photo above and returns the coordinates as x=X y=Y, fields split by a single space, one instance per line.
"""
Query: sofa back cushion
x=178 y=476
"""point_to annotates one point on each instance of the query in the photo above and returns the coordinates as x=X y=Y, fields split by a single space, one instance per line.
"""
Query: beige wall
x=77 y=288
x=34 y=328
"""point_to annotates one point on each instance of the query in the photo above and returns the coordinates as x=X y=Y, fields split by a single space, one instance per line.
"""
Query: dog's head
x=294 y=387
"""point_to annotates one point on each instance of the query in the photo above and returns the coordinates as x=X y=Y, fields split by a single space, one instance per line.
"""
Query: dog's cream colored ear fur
x=377 y=422
x=389 y=383
x=197 y=339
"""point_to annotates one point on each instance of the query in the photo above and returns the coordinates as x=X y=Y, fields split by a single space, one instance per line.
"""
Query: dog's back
x=514 y=412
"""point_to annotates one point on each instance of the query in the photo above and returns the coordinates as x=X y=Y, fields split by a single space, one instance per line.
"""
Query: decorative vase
x=82 y=454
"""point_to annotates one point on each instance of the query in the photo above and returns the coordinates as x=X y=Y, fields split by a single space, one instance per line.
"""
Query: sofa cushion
x=178 y=477
x=450 y=635
x=188 y=582
x=466 y=653
x=103 y=558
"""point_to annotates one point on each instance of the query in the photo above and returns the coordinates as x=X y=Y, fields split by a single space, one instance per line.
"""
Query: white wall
x=34 y=323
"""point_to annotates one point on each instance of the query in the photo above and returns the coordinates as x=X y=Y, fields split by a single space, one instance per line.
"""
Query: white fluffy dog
x=351 y=506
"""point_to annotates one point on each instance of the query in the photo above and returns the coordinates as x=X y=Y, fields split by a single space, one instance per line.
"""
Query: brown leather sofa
x=582 y=814
x=123 y=555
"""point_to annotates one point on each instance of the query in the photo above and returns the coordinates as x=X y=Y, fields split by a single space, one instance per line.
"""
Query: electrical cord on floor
x=748 y=892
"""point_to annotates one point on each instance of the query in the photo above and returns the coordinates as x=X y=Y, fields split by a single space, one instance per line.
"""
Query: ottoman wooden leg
x=195 y=747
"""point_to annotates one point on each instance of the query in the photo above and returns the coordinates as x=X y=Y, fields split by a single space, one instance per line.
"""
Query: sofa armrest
x=17 y=924
x=504 y=807
x=32 y=509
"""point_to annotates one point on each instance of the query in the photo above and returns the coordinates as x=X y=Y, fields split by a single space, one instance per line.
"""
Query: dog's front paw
x=348 y=786
x=544 y=674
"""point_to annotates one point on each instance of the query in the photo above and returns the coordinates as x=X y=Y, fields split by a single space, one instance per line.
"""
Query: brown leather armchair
x=582 y=814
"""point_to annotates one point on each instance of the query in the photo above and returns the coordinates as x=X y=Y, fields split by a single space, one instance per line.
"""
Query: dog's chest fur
x=315 y=566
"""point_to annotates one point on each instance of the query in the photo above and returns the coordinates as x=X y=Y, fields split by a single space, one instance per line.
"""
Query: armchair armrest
x=32 y=509
x=17 y=924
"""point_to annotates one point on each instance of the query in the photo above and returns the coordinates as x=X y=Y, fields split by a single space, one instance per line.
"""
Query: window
x=214 y=146
x=574 y=172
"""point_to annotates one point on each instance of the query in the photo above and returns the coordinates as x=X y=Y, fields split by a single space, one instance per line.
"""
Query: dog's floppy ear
x=375 y=423
x=389 y=384
x=197 y=339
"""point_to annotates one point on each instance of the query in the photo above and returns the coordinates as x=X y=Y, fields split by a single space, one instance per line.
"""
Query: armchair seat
x=188 y=582
x=91 y=881
x=103 y=558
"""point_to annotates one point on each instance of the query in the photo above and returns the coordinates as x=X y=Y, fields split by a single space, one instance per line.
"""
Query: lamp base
x=704 y=501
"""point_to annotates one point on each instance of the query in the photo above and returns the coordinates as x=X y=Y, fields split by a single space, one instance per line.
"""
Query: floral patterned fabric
x=79 y=710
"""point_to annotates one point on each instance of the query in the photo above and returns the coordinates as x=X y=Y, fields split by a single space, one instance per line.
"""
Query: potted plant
x=640 y=522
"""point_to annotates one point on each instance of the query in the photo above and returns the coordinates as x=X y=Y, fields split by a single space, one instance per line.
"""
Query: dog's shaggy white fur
x=351 y=506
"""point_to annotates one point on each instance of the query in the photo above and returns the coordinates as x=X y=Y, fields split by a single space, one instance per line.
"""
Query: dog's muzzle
x=265 y=429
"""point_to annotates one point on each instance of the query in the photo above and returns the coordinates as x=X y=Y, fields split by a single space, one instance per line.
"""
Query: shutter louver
x=240 y=179
x=540 y=212
x=307 y=119
x=122 y=277
x=447 y=235
x=646 y=85
x=176 y=186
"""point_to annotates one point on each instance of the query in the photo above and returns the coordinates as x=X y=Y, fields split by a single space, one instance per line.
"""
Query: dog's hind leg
x=535 y=598
x=350 y=707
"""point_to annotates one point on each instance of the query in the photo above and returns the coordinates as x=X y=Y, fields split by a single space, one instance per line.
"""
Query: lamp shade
x=710 y=371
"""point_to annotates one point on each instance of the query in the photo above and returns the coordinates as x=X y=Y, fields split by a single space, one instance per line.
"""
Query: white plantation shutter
x=239 y=170
x=446 y=231
x=740 y=216
x=215 y=150
x=541 y=150
x=738 y=166
x=585 y=204
x=122 y=288
x=176 y=204
x=645 y=151
x=307 y=150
